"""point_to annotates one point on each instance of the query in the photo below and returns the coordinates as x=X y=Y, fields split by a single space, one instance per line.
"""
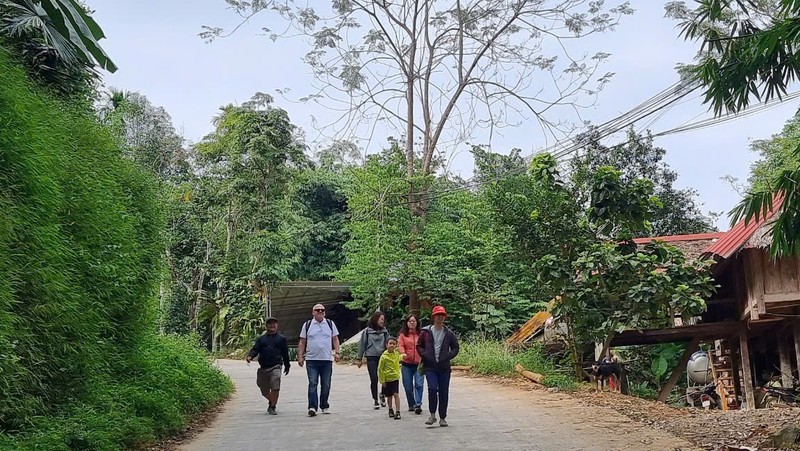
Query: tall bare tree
x=441 y=72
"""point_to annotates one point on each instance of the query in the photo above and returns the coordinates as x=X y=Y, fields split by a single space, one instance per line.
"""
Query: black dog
x=604 y=371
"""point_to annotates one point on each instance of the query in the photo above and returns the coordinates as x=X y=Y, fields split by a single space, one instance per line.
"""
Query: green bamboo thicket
x=81 y=363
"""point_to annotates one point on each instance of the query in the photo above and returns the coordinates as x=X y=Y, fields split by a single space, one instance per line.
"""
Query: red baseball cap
x=439 y=310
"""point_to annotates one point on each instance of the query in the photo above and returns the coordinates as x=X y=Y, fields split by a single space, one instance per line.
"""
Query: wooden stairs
x=726 y=380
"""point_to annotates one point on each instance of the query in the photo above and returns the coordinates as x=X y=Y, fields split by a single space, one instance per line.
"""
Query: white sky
x=159 y=54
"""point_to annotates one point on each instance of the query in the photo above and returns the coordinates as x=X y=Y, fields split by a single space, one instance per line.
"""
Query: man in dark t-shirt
x=272 y=352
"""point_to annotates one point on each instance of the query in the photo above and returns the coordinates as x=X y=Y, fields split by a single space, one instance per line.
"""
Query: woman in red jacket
x=412 y=380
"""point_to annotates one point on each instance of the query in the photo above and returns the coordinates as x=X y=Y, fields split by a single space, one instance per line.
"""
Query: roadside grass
x=163 y=385
x=496 y=359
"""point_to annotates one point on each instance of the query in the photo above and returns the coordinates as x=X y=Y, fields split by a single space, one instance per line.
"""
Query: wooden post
x=750 y=399
x=796 y=334
x=754 y=279
x=676 y=373
x=785 y=359
x=736 y=366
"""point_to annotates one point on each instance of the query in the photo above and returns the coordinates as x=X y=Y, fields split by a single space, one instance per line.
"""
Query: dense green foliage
x=80 y=257
x=777 y=153
x=461 y=259
x=246 y=211
x=583 y=258
x=488 y=253
x=638 y=158
x=649 y=366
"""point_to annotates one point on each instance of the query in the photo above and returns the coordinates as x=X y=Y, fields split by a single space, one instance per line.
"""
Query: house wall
x=771 y=285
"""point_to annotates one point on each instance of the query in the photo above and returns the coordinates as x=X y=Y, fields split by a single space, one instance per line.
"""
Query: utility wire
x=661 y=102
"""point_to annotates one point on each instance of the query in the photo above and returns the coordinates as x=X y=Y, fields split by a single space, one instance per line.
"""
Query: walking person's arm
x=301 y=351
x=454 y=347
x=421 y=345
x=382 y=367
x=253 y=352
x=336 y=355
x=402 y=344
x=285 y=356
x=335 y=342
x=362 y=348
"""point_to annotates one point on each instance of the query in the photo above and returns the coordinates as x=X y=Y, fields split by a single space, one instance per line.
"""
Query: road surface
x=483 y=415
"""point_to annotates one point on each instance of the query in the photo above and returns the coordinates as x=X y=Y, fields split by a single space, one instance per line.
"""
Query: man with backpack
x=318 y=337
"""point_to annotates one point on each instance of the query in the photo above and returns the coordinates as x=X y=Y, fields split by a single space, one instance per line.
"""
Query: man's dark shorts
x=391 y=388
x=269 y=378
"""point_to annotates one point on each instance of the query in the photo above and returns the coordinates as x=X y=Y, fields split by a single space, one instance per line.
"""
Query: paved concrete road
x=483 y=415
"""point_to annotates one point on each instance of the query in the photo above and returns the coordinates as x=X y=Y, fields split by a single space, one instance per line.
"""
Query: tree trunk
x=216 y=333
x=198 y=292
x=607 y=342
x=413 y=295
x=576 y=357
x=161 y=307
x=413 y=302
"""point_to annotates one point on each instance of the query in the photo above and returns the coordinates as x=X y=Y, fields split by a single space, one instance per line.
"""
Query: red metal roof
x=737 y=236
x=673 y=238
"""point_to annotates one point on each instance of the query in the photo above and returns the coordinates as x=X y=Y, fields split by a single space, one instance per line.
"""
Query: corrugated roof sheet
x=737 y=236
x=529 y=329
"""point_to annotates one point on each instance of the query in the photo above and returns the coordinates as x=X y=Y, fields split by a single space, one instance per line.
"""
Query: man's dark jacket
x=271 y=350
x=426 y=349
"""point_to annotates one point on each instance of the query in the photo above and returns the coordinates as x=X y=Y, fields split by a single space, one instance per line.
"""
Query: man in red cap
x=437 y=346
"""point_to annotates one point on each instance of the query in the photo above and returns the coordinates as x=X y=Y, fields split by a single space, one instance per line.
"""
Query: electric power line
x=661 y=102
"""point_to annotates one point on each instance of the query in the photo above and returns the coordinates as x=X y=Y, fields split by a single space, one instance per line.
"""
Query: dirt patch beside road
x=709 y=429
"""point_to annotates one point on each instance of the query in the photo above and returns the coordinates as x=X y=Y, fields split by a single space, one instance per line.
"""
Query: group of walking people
x=417 y=354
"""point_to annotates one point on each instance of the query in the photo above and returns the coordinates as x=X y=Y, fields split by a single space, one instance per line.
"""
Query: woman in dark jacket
x=437 y=346
x=371 y=346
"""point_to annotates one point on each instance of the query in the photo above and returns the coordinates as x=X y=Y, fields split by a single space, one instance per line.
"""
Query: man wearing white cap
x=318 y=337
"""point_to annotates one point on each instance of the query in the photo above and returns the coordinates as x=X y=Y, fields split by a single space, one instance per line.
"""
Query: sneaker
x=376 y=406
x=271 y=410
x=442 y=423
x=431 y=419
x=383 y=401
x=410 y=409
x=391 y=413
x=326 y=411
x=418 y=410
x=312 y=412
x=397 y=415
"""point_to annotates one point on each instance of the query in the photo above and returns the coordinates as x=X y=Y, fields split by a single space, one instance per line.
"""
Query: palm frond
x=28 y=20
x=62 y=25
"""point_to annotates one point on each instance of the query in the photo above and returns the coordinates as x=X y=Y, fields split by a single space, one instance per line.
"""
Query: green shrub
x=173 y=381
x=643 y=390
x=348 y=352
x=81 y=365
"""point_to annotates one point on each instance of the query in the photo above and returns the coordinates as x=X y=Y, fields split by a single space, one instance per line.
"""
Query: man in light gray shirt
x=317 y=337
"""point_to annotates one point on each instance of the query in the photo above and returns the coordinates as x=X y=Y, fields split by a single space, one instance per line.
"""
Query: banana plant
x=63 y=25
